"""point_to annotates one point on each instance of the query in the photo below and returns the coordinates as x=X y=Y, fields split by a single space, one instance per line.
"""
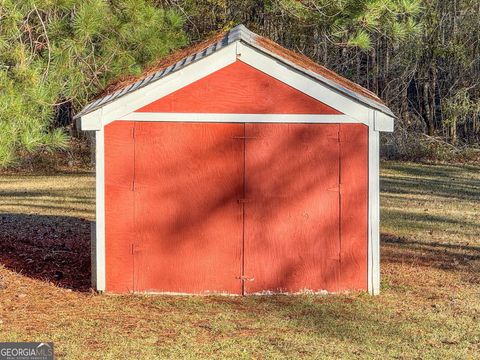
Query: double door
x=230 y=208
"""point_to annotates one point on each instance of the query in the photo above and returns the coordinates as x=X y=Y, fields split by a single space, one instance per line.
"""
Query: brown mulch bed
x=49 y=248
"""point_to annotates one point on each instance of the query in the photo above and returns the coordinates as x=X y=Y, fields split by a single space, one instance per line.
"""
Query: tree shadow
x=49 y=248
x=334 y=318
x=442 y=181
x=464 y=259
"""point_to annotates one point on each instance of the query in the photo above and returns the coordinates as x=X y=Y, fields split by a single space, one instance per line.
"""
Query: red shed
x=237 y=167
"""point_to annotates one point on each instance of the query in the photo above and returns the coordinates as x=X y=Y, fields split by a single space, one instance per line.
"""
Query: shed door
x=292 y=213
x=237 y=208
x=189 y=224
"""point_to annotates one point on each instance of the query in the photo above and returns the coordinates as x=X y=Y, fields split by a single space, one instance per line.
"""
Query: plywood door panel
x=119 y=206
x=292 y=229
x=188 y=179
x=354 y=206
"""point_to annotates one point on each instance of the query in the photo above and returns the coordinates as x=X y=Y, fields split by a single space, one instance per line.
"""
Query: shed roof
x=183 y=58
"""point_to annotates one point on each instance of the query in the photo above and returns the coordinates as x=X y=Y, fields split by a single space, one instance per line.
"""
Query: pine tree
x=54 y=52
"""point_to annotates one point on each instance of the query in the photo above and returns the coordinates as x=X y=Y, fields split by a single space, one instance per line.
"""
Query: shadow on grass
x=49 y=248
x=447 y=188
x=456 y=189
x=451 y=257
x=292 y=324
x=424 y=221
x=438 y=180
x=430 y=170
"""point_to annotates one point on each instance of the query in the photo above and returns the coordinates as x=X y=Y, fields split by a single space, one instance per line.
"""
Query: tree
x=61 y=52
x=420 y=56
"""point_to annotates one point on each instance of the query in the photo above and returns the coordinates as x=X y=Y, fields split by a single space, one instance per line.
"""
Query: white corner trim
x=98 y=263
x=240 y=118
x=383 y=122
x=164 y=86
x=373 y=207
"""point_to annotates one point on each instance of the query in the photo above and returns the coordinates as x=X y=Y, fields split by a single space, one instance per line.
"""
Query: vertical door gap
x=134 y=212
x=339 y=193
x=242 y=276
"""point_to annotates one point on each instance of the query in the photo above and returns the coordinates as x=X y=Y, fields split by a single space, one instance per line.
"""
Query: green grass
x=429 y=307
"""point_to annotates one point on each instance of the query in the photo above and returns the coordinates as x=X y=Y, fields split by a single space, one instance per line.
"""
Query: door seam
x=242 y=275
x=134 y=208
x=340 y=194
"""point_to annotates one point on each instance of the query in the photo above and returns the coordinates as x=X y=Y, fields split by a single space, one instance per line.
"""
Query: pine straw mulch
x=49 y=248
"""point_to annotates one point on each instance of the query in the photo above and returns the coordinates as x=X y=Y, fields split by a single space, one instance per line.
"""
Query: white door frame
x=98 y=253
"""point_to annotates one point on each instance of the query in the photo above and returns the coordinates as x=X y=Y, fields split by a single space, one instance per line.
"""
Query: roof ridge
x=188 y=55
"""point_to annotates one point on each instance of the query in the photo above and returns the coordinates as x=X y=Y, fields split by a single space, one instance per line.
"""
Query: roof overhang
x=238 y=44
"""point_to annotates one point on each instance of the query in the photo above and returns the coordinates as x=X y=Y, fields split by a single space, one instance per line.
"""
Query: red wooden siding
x=204 y=204
x=188 y=178
x=306 y=231
x=292 y=239
x=119 y=206
x=354 y=206
x=239 y=88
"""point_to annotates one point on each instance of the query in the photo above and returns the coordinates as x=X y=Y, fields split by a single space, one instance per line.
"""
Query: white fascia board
x=162 y=87
x=383 y=122
x=240 y=118
x=124 y=107
x=299 y=81
x=312 y=87
x=91 y=121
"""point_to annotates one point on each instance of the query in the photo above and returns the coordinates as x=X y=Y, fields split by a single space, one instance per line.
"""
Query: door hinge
x=244 y=137
x=133 y=248
x=336 y=188
x=132 y=132
x=337 y=137
x=245 y=278
x=133 y=185
x=243 y=201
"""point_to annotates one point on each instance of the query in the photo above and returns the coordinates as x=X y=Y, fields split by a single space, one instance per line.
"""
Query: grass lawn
x=429 y=306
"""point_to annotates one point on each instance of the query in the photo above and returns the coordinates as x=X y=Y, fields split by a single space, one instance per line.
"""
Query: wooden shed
x=237 y=167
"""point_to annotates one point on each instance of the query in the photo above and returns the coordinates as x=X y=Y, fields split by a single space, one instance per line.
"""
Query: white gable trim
x=239 y=118
x=158 y=89
x=120 y=108
x=301 y=82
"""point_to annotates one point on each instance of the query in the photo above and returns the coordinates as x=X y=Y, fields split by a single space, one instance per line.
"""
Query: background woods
x=420 y=56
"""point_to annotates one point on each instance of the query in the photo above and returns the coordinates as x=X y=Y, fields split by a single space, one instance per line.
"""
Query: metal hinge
x=336 y=188
x=132 y=132
x=133 y=248
x=244 y=278
x=243 y=201
x=244 y=137
x=337 y=138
